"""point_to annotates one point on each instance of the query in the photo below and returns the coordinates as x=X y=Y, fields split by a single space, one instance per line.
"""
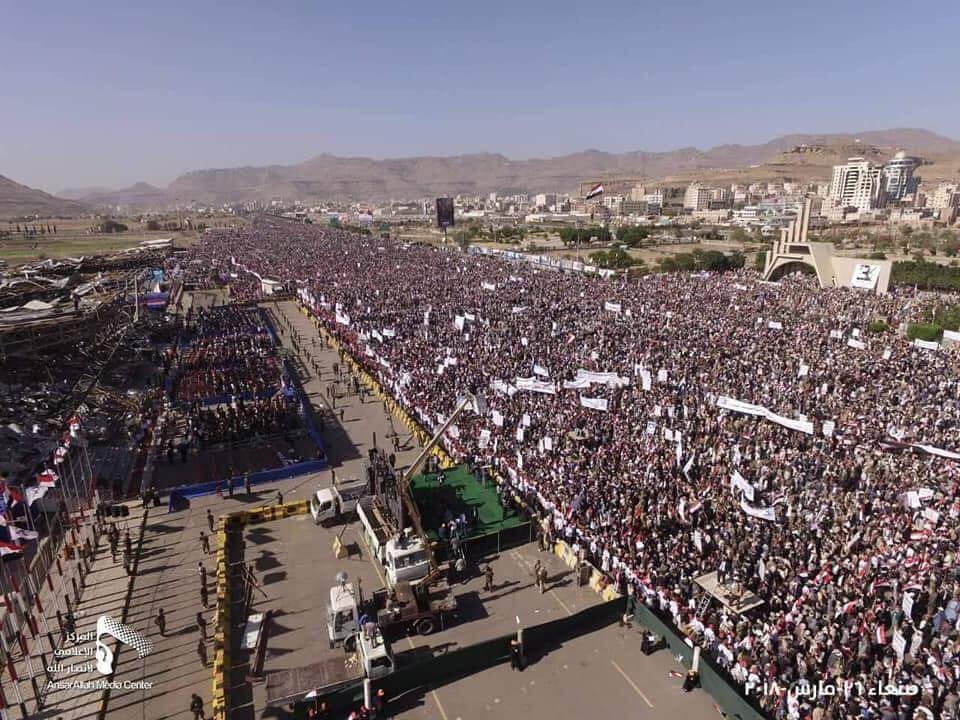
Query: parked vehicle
x=373 y=659
x=337 y=502
x=405 y=608
x=403 y=558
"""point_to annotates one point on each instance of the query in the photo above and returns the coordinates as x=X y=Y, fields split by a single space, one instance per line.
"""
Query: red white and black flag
x=595 y=191
x=10 y=548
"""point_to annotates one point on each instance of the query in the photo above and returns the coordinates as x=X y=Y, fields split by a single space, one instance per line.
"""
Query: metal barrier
x=714 y=679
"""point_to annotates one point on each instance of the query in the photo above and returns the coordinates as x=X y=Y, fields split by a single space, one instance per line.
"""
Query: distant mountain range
x=331 y=177
x=18 y=200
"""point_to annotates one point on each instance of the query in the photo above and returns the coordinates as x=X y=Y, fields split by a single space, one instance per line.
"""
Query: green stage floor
x=460 y=492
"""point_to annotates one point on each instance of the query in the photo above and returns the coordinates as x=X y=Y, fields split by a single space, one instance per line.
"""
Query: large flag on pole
x=595 y=191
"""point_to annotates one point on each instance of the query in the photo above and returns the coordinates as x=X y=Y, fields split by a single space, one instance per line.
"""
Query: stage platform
x=724 y=593
x=460 y=493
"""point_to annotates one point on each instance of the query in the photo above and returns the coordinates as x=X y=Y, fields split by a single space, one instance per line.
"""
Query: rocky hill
x=18 y=200
x=324 y=177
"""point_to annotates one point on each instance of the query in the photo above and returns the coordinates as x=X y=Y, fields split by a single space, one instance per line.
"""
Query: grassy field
x=74 y=238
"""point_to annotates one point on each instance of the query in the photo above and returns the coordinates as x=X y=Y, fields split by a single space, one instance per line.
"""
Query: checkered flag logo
x=106 y=625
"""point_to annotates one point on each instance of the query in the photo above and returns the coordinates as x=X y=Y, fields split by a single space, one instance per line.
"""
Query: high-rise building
x=614 y=203
x=898 y=179
x=857 y=184
x=945 y=195
x=697 y=197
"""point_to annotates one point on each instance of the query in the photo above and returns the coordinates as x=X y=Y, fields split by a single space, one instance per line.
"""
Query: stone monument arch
x=793 y=251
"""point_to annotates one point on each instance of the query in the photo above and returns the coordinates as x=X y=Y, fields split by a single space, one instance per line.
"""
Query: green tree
x=573 y=236
x=632 y=235
x=614 y=259
x=760 y=261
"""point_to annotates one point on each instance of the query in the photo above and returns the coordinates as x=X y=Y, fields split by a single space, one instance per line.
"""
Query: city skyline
x=113 y=95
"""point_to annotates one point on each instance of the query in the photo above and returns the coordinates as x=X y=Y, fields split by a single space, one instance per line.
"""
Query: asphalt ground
x=598 y=674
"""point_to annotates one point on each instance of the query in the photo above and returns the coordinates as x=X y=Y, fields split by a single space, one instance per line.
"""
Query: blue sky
x=105 y=93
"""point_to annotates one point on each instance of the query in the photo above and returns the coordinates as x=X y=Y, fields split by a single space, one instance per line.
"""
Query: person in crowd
x=674 y=426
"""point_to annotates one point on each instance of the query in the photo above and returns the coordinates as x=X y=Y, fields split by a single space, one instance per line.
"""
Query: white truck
x=405 y=608
x=373 y=659
x=403 y=558
x=337 y=502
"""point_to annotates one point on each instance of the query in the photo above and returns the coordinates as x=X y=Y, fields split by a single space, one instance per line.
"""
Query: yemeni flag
x=9 y=548
x=595 y=191
x=48 y=478
x=9 y=497
x=881 y=635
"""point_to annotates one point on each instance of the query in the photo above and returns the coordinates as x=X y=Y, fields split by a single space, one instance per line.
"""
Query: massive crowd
x=226 y=382
x=678 y=425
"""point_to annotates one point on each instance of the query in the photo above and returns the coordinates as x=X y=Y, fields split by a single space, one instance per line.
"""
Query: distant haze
x=108 y=94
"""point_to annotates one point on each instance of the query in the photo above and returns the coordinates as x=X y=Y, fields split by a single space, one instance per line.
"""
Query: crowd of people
x=226 y=382
x=228 y=355
x=674 y=426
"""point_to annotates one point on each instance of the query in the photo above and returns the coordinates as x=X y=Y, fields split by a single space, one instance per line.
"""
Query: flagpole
x=26 y=503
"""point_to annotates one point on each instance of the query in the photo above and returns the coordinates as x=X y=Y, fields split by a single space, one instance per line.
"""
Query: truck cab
x=333 y=503
x=343 y=616
x=376 y=655
x=406 y=560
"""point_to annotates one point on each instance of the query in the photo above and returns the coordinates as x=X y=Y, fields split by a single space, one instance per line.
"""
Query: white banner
x=594 y=403
x=828 y=428
x=579 y=384
x=488 y=286
x=541 y=371
x=926 y=344
x=602 y=378
x=804 y=426
x=484 y=438
x=737 y=481
x=858 y=344
x=612 y=307
x=774 y=325
x=497 y=418
x=645 y=380
x=458 y=322
x=865 y=276
x=728 y=403
x=937 y=451
x=762 y=513
x=534 y=385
